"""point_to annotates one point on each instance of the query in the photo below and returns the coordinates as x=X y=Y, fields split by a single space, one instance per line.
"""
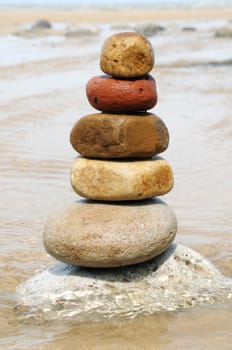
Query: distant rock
x=179 y=278
x=149 y=29
x=189 y=29
x=42 y=24
x=225 y=32
x=82 y=30
x=121 y=26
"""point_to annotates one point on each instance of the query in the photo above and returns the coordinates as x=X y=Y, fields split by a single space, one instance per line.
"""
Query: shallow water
x=39 y=102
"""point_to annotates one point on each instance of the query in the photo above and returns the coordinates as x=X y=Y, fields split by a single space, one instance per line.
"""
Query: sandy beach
x=42 y=94
x=11 y=20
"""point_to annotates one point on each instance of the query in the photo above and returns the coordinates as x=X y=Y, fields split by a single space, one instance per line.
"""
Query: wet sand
x=42 y=94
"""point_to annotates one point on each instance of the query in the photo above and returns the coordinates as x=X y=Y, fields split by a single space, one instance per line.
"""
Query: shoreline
x=98 y=16
x=12 y=19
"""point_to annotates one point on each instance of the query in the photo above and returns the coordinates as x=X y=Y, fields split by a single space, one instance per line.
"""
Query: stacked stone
x=118 y=171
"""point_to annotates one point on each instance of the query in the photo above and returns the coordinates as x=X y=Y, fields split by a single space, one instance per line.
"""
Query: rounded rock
x=177 y=279
x=224 y=32
x=110 y=235
x=104 y=135
x=42 y=24
x=149 y=28
x=82 y=30
x=118 y=180
x=127 y=55
x=109 y=94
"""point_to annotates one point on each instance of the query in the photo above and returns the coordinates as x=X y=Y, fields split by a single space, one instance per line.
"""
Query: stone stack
x=121 y=221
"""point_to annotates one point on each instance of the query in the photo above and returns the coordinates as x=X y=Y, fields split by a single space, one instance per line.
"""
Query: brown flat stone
x=104 y=135
x=110 y=235
x=109 y=94
x=127 y=55
x=118 y=180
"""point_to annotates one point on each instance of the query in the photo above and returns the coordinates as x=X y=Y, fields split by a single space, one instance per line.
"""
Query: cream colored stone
x=127 y=55
x=108 y=235
x=118 y=180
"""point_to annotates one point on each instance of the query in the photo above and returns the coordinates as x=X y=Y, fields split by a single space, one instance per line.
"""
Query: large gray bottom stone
x=94 y=234
x=179 y=278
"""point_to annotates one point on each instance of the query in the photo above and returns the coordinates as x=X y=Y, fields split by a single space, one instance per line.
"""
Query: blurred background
x=48 y=52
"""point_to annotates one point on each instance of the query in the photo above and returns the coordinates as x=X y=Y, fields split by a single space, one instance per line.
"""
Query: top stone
x=127 y=55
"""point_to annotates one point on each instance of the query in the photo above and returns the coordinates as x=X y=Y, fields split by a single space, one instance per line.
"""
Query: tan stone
x=121 y=180
x=104 y=135
x=110 y=235
x=127 y=55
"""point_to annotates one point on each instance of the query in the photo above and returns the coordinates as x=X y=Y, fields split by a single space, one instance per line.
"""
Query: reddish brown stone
x=104 y=135
x=109 y=94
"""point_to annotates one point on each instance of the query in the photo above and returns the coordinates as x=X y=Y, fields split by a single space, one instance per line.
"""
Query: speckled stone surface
x=104 y=135
x=93 y=234
x=127 y=55
x=118 y=180
x=179 y=278
x=109 y=94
